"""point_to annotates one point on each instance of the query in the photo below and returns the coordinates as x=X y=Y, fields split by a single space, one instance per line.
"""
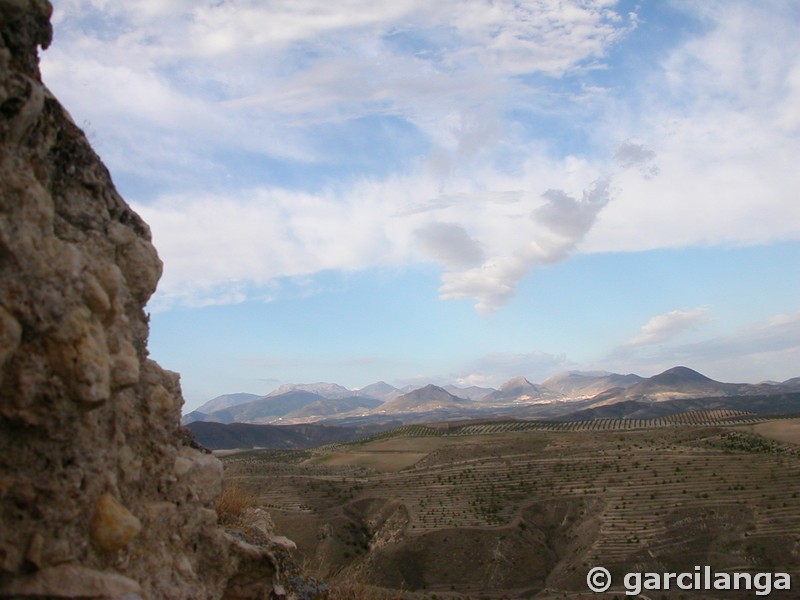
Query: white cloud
x=557 y=227
x=218 y=248
x=663 y=328
x=721 y=114
x=182 y=93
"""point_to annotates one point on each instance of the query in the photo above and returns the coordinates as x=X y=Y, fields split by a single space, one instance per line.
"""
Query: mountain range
x=575 y=392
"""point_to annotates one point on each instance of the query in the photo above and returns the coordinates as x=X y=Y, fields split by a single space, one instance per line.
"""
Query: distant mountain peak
x=519 y=389
x=429 y=397
x=428 y=389
x=321 y=388
x=678 y=374
x=472 y=392
x=226 y=401
x=516 y=382
x=379 y=387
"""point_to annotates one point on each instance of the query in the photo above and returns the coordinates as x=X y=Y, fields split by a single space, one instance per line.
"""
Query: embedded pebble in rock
x=113 y=525
x=125 y=367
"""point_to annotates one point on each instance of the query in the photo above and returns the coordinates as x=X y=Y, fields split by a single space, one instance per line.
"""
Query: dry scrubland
x=495 y=510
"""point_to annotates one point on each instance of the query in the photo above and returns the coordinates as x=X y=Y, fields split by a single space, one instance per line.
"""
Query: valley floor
x=526 y=514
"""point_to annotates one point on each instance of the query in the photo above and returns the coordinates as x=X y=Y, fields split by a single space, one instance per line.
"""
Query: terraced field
x=510 y=509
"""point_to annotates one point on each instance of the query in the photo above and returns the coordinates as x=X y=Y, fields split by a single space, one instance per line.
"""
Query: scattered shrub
x=232 y=504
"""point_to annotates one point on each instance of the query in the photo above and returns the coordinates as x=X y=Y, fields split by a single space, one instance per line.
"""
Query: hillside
x=763 y=404
x=321 y=409
x=511 y=513
x=220 y=436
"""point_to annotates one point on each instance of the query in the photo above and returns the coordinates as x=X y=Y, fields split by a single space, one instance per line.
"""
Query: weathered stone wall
x=100 y=496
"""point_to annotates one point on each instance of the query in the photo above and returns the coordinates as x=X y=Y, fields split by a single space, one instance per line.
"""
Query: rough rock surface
x=101 y=496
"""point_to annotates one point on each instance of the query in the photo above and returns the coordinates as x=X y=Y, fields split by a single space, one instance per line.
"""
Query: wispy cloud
x=777 y=334
x=663 y=328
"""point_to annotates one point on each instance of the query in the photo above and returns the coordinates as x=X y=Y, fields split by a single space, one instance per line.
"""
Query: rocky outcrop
x=101 y=494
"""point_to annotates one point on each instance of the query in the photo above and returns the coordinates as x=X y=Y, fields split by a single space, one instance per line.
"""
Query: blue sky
x=460 y=191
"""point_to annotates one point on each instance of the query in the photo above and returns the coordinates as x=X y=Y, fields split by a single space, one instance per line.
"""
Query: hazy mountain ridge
x=265 y=409
x=520 y=390
x=472 y=392
x=576 y=384
x=379 y=390
x=680 y=382
x=226 y=401
x=324 y=389
x=556 y=397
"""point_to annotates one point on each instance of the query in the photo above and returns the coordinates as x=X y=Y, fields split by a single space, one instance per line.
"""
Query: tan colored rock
x=86 y=418
x=282 y=542
x=125 y=366
x=72 y=581
x=95 y=296
x=203 y=472
x=35 y=547
x=113 y=526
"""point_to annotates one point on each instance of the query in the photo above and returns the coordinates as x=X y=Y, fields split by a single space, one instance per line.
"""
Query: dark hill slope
x=766 y=404
x=222 y=436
